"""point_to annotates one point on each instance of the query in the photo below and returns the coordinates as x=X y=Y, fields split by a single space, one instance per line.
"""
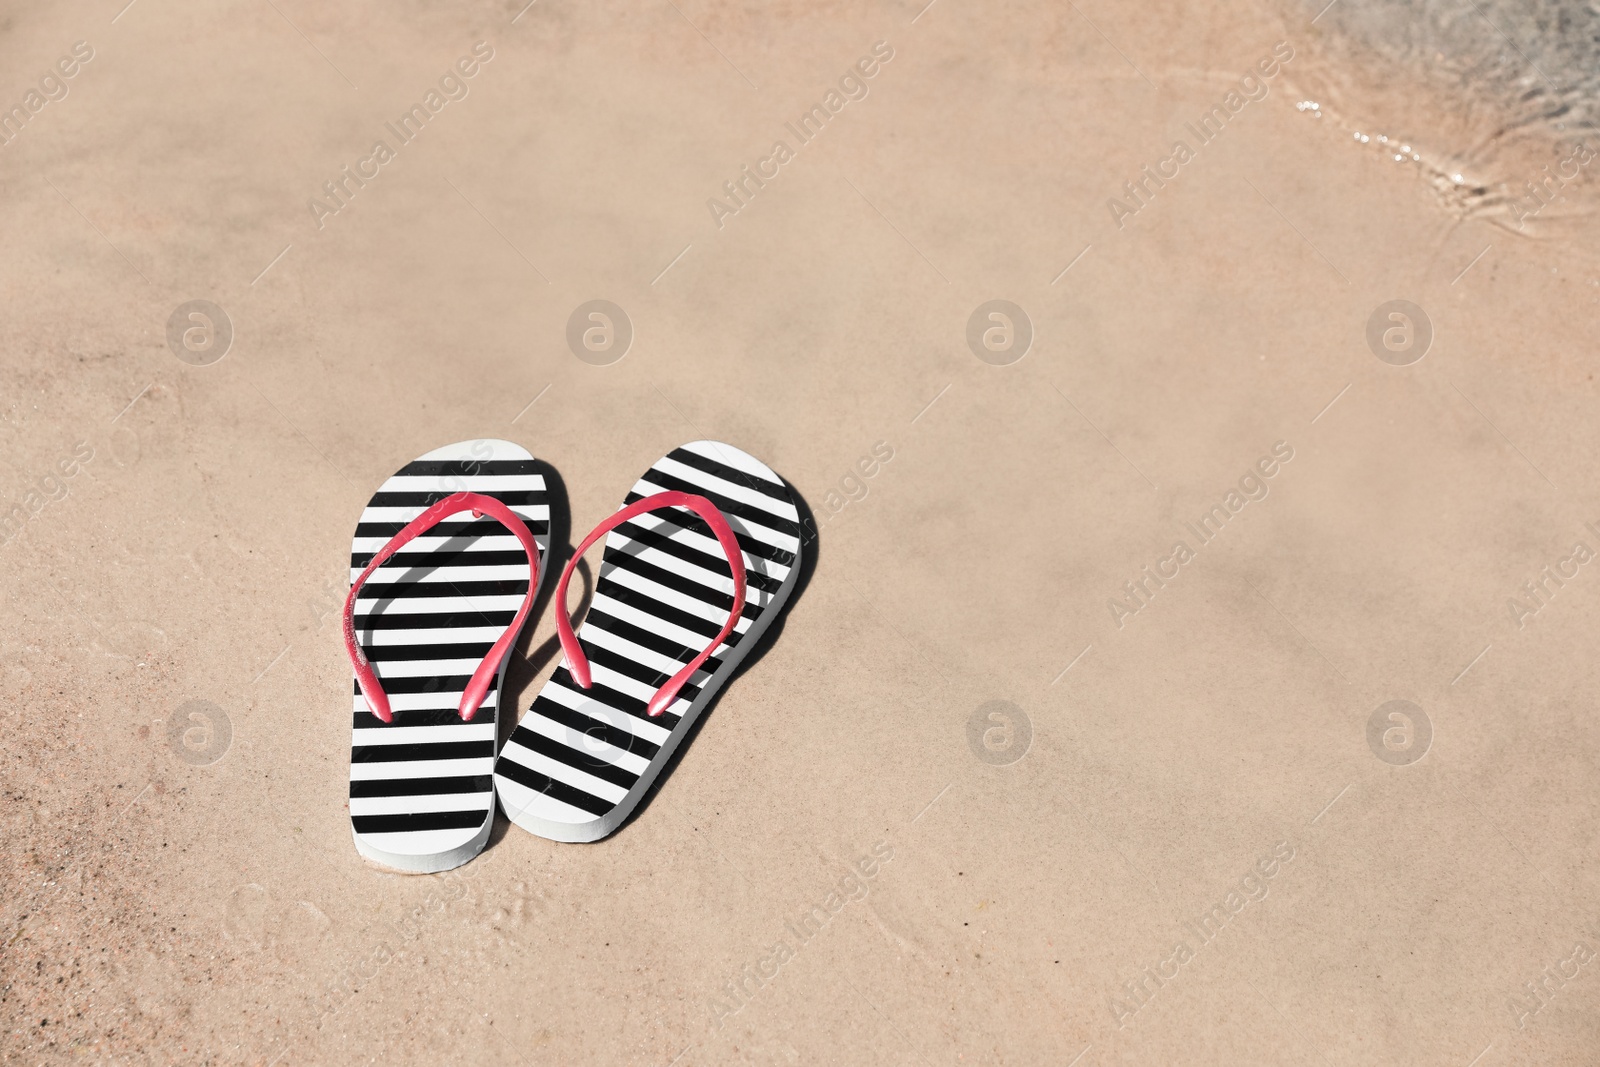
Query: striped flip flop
x=697 y=563
x=444 y=569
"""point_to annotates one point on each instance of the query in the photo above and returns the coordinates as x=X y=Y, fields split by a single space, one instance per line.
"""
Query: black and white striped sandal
x=697 y=563
x=427 y=630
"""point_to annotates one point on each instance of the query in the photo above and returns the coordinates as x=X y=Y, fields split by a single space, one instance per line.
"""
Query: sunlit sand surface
x=1179 y=390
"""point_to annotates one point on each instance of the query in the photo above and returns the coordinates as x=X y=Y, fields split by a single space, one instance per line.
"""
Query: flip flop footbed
x=421 y=793
x=581 y=759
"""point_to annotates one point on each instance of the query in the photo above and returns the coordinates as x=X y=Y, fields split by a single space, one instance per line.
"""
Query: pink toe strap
x=578 y=663
x=478 y=687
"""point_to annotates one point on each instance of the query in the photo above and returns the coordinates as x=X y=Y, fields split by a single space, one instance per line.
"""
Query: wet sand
x=1126 y=803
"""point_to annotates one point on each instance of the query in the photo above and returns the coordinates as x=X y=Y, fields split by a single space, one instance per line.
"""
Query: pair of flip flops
x=449 y=558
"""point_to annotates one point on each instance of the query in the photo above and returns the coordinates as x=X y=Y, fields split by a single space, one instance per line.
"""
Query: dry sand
x=173 y=897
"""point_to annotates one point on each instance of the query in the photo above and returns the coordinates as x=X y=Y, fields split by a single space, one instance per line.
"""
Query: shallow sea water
x=1487 y=100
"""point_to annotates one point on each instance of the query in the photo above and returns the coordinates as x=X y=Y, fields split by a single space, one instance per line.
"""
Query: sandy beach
x=1193 y=659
